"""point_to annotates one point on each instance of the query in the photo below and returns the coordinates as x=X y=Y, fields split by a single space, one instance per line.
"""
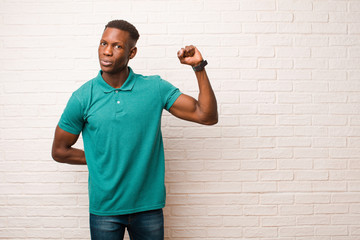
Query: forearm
x=206 y=101
x=69 y=155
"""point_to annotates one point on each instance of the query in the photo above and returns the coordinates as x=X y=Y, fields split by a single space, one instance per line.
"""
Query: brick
x=345 y=153
x=275 y=17
x=276 y=63
x=329 y=164
x=329 y=6
x=276 y=176
x=239 y=18
x=257 y=143
x=331 y=231
x=311 y=17
x=224 y=28
x=312 y=198
x=329 y=142
x=260 y=74
x=223 y=165
x=203 y=177
x=259 y=187
x=183 y=233
x=330 y=98
x=344 y=131
x=223 y=143
x=186 y=165
x=293 y=142
x=294 y=120
x=311 y=176
x=236 y=40
x=294 y=187
x=296 y=210
x=296 y=231
x=354 y=6
x=230 y=109
x=262 y=5
x=275 y=86
x=310 y=64
x=260 y=210
x=329 y=187
x=293 y=75
x=260 y=232
x=345 y=64
x=227 y=211
x=290 y=5
x=186 y=188
x=256 y=164
x=311 y=153
x=239 y=85
x=228 y=187
x=240 y=221
x=311 y=131
x=225 y=233
x=239 y=154
x=275 y=40
x=353 y=28
x=275 y=153
x=275 y=131
x=242 y=176
x=294 y=28
x=344 y=220
x=329 y=28
x=259 y=28
x=312 y=41
x=275 y=109
x=278 y=221
x=238 y=132
x=262 y=120
x=293 y=52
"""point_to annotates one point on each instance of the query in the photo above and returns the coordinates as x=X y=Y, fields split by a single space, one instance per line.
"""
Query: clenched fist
x=189 y=55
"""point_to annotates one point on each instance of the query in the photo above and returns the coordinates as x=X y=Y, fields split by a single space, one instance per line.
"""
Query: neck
x=116 y=80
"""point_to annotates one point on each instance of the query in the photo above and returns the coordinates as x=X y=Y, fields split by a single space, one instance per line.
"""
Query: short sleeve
x=169 y=93
x=72 y=120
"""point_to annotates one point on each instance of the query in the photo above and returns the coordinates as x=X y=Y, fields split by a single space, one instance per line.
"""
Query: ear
x=133 y=52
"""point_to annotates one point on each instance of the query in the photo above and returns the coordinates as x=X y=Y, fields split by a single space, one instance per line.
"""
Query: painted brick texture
x=282 y=163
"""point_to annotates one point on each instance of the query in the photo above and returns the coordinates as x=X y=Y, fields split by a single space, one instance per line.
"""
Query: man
x=119 y=115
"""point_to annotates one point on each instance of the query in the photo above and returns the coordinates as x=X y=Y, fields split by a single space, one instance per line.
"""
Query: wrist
x=200 y=66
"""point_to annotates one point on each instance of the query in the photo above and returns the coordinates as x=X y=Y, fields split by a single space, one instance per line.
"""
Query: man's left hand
x=189 y=55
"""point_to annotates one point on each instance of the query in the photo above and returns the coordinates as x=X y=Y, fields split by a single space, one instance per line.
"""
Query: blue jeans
x=147 y=225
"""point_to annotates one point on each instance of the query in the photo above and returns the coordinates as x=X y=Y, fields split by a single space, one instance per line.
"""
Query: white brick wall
x=282 y=163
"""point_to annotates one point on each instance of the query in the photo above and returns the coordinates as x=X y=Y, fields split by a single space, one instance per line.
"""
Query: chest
x=129 y=109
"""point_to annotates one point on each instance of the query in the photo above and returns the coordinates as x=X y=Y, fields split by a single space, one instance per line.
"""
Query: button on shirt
x=123 y=145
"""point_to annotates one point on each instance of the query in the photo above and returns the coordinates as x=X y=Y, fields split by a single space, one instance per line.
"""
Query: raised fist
x=189 y=55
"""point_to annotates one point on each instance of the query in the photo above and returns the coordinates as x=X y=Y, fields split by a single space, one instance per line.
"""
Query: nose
x=108 y=50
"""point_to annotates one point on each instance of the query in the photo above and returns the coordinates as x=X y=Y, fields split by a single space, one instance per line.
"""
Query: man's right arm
x=62 y=150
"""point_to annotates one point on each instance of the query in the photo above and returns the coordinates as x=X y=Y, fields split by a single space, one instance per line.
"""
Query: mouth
x=105 y=63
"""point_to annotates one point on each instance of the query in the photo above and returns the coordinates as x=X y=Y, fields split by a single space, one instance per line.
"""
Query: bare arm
x=62 y=150
x=203 y=110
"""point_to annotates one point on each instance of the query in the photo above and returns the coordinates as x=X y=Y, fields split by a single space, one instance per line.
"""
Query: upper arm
x=62 y=141
x=187 y=108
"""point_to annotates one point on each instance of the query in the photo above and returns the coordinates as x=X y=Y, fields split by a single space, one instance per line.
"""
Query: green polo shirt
x=123 y=145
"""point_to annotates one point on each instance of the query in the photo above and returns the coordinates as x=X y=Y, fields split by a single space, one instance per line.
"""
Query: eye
x=118 y=46
x=102 y=43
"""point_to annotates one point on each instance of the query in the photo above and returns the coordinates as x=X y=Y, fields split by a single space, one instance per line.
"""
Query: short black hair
x=125 y=26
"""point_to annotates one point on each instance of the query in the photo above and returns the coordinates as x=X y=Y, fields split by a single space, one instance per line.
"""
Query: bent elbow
x=211 y=120
x=56 y=155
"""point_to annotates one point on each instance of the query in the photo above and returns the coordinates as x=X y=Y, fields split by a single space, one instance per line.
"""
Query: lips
x=105 y=63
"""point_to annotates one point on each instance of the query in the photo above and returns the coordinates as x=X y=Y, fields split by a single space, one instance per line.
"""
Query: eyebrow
x=111 y=43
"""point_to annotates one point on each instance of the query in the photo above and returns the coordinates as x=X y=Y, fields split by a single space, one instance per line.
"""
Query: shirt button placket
x=118 y=101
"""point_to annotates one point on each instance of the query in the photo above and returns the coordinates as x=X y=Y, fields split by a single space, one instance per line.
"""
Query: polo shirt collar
x=127 y=86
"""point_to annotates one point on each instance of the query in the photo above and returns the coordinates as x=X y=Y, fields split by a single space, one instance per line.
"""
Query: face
x=115 y=50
